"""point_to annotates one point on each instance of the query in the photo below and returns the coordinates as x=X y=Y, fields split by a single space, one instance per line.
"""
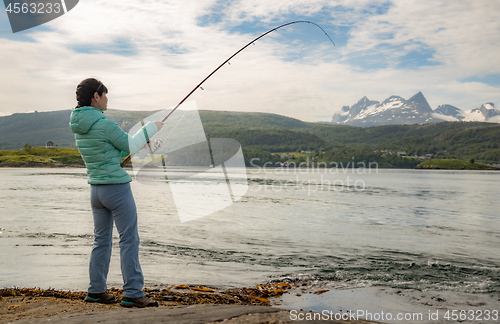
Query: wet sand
x=178 y=304
x=411 y=306
x=269 y=303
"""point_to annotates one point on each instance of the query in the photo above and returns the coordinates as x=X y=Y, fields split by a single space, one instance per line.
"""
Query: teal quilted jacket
x=101 y=143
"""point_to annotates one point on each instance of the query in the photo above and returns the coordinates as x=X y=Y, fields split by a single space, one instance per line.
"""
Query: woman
x=101 y=143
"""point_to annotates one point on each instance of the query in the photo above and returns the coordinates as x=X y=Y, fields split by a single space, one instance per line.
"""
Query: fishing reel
x=156 y=145
x=153 y=146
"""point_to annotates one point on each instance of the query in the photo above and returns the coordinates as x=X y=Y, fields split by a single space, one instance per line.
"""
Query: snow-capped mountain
x=416 y=110
x=392 y=111
x=487 y=113
x=451 y=111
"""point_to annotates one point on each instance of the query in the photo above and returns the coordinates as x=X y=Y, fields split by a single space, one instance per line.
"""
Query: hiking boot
x=138 y=302
x=103 y=298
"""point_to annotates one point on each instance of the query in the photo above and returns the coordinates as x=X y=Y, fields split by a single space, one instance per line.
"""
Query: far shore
x=40 y=165
x=418 y=167
x=454 y=164
x=42 y=157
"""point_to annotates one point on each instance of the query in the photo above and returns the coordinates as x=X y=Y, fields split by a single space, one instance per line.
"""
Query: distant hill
x=38 y=128
x=228 y=120
x=273 y=140
x=276 y=133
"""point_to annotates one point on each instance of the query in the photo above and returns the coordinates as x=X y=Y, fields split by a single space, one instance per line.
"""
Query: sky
x=151 y=54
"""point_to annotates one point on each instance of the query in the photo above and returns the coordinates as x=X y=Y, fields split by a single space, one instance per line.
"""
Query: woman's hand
x=159 y=124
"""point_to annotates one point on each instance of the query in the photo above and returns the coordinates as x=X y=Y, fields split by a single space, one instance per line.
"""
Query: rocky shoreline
x=178 y=304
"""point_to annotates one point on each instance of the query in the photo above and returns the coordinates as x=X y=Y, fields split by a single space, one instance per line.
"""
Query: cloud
x=462 y=34
x=150 y=54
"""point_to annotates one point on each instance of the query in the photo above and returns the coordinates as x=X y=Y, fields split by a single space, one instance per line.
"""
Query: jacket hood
x=83 y=118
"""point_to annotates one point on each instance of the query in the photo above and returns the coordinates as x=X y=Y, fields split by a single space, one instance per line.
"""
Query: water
x=413 y=229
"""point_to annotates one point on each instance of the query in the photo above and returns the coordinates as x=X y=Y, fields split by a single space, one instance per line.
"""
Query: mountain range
x=396 y=110
x=261 y=133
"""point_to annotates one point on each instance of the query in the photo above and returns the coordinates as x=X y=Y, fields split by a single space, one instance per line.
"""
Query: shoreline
x=40 y=165
x=283 y=302
x=82 y=166
x=179 y=304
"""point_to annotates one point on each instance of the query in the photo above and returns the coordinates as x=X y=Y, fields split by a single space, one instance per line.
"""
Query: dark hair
x=86 y=89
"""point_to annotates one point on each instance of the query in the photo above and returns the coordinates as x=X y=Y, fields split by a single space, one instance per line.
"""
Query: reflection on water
x=419 y=229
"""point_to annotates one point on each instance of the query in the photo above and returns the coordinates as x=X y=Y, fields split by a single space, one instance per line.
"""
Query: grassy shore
x=58 y=157
x=40 y=157
x=451 y=164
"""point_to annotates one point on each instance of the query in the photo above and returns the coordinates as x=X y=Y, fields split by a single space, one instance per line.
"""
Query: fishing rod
x=129 y=157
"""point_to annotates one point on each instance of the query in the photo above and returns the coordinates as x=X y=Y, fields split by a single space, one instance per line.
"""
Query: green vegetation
x=478 y=140
x=254 y=157
x=35 y=129
x=455 y=165
x=228 y=121
x=262 y=135
x=367 y=155
x=340 y=143
x=40 y=127
x=347 y=156
x=41 y=156
x=273 y=140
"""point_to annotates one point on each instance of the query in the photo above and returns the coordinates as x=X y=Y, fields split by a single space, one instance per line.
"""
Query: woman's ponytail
x=86 y=89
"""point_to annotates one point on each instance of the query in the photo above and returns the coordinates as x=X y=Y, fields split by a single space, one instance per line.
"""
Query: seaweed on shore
x=37 y=292
x=177 y=294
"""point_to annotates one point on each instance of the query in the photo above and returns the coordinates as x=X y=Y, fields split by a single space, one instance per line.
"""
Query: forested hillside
x=261 y=132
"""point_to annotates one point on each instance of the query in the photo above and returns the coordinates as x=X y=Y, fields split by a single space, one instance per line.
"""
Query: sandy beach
x=268 y=303
x=193 y=305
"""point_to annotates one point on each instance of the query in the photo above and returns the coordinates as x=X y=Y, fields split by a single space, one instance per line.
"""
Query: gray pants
x=115 y=202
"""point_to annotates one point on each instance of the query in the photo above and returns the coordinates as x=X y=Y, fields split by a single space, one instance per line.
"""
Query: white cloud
x=462 y=34
x=171 y=53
